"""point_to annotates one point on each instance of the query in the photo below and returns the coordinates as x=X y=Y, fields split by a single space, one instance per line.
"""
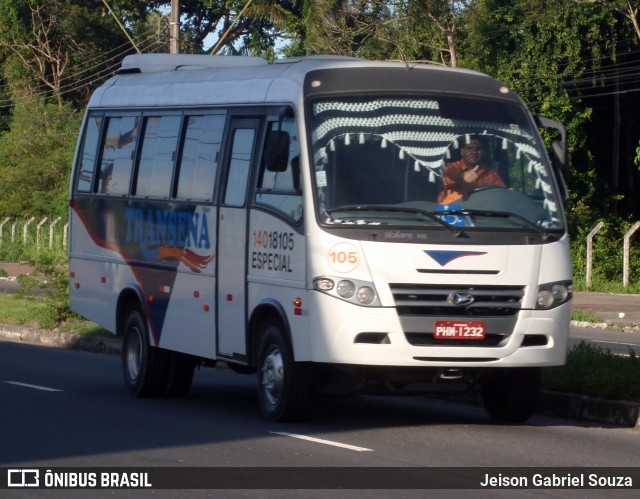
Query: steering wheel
x=482 y=188
x=503 y=200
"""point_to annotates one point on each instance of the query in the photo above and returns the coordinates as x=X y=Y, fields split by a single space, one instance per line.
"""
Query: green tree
x=348 y=27
x=431 y=29
x=35 y=159
x=55 y=48
x=628 y=8
x=52 y=50
x=619 y=99
x=552 y=53
x=236 y=26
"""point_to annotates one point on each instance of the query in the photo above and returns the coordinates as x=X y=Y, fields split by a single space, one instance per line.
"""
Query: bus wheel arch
x=129 y=300
x=268 y=312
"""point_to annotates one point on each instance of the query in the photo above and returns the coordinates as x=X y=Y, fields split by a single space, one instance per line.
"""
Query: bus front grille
x=440 y=301
x=420 y=306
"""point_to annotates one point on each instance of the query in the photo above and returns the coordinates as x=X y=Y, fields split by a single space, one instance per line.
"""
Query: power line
x=114 y=61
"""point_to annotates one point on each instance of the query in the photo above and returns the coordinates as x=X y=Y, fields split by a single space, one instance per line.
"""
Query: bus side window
x=159 y=144
x=199 y=159
x=117 y=155
x=281 y=190
x=88 y=154
x=239 y=166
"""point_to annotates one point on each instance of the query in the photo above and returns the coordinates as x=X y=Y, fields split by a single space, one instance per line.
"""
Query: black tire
x=511 y=395
x=144 y=367
x=179 y=374
x=241 y=369
x=284 y=386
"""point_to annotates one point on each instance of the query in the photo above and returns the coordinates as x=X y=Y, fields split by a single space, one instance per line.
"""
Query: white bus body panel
x=335 y=324
x=333 y=328
x=277 y=274
x=102 y=270
x=89 y=265
x=231 y=281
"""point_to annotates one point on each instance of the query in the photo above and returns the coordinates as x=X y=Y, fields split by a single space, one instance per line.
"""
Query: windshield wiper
x=499 y=214
x=399 y=209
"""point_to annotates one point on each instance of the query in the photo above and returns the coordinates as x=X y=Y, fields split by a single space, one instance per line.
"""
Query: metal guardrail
x=55 y=237
x=625 y=252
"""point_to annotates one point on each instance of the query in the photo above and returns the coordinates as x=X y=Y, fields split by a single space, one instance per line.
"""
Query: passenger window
x=117 y=155
x=88 y=154
x=239 y=166
x=157 y=156
x=281 y=190
x=199 y=162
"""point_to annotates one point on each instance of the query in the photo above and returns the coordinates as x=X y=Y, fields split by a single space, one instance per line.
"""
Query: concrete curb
x=32 y=336
x=618 y=412
x=579 y=407
x=627 y=328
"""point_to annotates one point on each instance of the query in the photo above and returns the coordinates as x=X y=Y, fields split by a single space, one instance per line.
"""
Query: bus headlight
x=365 y=295
x=323 y=284
x=346 y=289
x=351 y=290
x=553 y=294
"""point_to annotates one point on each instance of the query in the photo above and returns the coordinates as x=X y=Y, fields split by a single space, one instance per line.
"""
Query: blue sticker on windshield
x=455 y=220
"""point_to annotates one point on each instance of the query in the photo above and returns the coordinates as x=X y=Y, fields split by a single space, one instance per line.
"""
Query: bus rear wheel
x=284 y=385
x=179 y=374
x=511 y=395
x=143 y=366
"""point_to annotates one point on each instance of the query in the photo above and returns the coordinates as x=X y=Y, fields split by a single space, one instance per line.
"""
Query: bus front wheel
x=283 y=385
x=511 y=395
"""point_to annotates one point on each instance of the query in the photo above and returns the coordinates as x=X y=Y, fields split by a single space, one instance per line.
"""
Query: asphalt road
x=63 y=408
x=620 y=343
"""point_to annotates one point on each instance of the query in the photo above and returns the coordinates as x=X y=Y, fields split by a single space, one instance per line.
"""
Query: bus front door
x=232 y=242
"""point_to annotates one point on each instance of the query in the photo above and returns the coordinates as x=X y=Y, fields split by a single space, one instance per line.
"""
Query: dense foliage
x=576 y=61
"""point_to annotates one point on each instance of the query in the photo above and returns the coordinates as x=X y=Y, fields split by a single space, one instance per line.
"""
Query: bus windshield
x=420 y=161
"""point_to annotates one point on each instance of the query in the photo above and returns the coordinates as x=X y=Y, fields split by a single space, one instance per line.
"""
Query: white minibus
x=335 y=225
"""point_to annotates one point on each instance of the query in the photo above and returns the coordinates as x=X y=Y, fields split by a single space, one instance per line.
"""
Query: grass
x=585 y=316
x=588 y=316
x=22 y=311
x=606 y=286
x=33 y=311
x=594 y=371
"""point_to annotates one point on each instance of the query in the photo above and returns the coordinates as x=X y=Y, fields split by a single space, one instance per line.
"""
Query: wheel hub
x=134 y=356
x=273 y=376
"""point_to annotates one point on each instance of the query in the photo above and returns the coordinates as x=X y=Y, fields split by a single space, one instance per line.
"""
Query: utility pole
x=174 y=27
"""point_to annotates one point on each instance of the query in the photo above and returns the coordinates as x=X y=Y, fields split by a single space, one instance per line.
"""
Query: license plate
x=458 y=330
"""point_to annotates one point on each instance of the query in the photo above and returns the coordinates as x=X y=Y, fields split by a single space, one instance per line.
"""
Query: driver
x=463 y=176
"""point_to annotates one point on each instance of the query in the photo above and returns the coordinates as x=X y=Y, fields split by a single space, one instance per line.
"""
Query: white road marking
x=43 y=388
x=634 y=345
x=322 y=441
x=615 y=342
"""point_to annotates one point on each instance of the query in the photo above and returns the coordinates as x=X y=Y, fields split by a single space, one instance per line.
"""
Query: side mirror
x=558 y=152
x=276 y=152
x=285 y=113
